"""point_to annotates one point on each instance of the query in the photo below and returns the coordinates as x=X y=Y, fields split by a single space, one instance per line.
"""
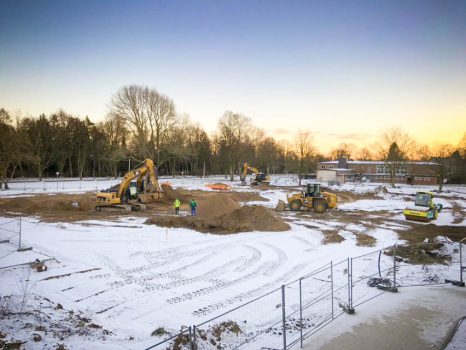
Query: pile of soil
x=244 y=219
x=171 y=194
x=45 y=203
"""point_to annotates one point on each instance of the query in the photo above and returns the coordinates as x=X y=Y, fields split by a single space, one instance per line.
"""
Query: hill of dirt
x=244 y=219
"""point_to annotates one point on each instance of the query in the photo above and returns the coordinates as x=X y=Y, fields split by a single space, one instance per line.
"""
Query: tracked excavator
x=138 y=187
x=258 y=179
x=311 y=198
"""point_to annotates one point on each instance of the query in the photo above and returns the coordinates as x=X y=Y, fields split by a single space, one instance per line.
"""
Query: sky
x=345 y=70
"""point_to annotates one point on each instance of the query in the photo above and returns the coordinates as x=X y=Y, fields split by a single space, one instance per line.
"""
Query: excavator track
x=120 y=208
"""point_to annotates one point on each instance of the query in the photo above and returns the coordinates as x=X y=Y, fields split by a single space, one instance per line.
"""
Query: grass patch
x=363 y=240
x=332 y=237
x=159 y=332
x=419 y=232
x=420 y=254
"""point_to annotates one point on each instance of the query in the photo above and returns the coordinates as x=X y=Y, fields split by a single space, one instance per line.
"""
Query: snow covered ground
x=132 y=278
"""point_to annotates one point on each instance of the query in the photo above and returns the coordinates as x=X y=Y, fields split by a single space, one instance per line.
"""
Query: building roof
x=376 y=162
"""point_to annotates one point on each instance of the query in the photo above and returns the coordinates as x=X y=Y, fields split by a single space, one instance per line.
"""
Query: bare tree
x=364 y=154
x=304 y=150
x=234 y=131
x=149 y=116
x=343 y=150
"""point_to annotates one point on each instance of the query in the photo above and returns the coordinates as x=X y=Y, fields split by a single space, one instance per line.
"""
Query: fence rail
x=284 y=317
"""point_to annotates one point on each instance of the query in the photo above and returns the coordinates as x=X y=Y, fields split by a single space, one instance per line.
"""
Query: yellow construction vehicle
x=424 y=208
x=312 y=198
x=132 y=195
x=258 y=179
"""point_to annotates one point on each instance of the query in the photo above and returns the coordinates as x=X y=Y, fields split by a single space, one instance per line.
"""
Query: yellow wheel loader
x=138 y=187
x=312 y=198
x=424 y=208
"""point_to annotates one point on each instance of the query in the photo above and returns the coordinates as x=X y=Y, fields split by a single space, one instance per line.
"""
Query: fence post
x=301 y=311
x=283 y=317
x=19 y=244
x=394 y=266
x=331 y=284
x=190 y=338
x=194 y=338
x=461 y=263
x=351 y=284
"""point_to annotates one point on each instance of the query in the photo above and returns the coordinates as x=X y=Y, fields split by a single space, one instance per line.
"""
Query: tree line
x=143 y=123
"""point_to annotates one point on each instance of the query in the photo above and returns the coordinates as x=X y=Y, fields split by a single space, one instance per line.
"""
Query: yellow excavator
x=132 y=195
x=258 y=179
x=312 y=198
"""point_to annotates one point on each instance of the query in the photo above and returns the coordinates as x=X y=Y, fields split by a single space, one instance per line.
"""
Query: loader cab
x=423 y=199
x=312 y=190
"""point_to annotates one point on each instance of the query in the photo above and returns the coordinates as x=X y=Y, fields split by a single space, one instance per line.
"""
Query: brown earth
x=244 y=219
x=418 y=232
x=218 y=212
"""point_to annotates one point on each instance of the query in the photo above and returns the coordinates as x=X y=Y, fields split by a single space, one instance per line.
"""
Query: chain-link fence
x=284 y=317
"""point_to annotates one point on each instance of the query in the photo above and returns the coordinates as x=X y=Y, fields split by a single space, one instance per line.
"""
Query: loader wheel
x=295 y=206
x=320 y=206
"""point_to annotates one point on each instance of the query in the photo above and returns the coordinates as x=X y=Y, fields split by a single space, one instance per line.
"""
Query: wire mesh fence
x=10 y=232
x=284 y=317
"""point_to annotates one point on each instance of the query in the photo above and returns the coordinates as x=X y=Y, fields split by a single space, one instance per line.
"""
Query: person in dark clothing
x=193 y=205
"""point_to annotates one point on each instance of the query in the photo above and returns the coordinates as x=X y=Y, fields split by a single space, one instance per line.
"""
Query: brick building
x=343 y=170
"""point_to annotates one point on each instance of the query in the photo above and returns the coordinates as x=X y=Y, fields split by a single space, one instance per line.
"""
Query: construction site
x=109 y=262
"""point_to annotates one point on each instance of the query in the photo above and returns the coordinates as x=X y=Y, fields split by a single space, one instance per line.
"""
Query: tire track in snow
x=267 y=269
x=256 y=256
x=249 y=294
x=274 y=265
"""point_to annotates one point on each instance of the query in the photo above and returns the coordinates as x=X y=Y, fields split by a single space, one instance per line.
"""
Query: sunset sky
x=345 y=70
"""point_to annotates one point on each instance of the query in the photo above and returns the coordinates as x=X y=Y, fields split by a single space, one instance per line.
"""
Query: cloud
x=350 y=136
x=280 y=131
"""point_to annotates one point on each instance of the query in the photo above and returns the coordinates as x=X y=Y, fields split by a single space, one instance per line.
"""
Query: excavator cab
x=260 y=177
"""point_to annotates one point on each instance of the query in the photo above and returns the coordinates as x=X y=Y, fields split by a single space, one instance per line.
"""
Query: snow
x=132 y=278
x=459 y=338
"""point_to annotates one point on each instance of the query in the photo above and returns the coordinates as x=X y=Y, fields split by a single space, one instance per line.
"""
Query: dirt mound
x=45 y=203
x=253 y=218
x=244 y=219
x=171 y=194
x=215 y=206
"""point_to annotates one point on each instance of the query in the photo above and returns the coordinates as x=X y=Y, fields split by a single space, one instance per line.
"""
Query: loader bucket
x=281 y=206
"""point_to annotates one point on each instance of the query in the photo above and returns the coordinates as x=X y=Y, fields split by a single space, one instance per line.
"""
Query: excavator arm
x=146 y=172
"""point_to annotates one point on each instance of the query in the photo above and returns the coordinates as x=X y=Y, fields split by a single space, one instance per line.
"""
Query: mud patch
x=331 y=236
x=364 y=240
x=244 y=219
x=419 y=232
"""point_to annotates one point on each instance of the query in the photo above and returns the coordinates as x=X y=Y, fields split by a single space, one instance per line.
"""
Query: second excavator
x=132 y=195
x=258 y=179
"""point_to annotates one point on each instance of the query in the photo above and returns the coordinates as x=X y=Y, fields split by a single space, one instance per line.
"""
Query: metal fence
x=284 y=317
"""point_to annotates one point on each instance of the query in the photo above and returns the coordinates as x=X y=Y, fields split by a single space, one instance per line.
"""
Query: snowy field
x=132 y=278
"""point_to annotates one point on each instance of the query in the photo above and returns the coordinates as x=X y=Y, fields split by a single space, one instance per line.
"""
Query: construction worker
x=193 y=206
x=177 y=205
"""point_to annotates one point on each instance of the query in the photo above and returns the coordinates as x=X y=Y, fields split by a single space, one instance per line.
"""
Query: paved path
x=416 y=318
